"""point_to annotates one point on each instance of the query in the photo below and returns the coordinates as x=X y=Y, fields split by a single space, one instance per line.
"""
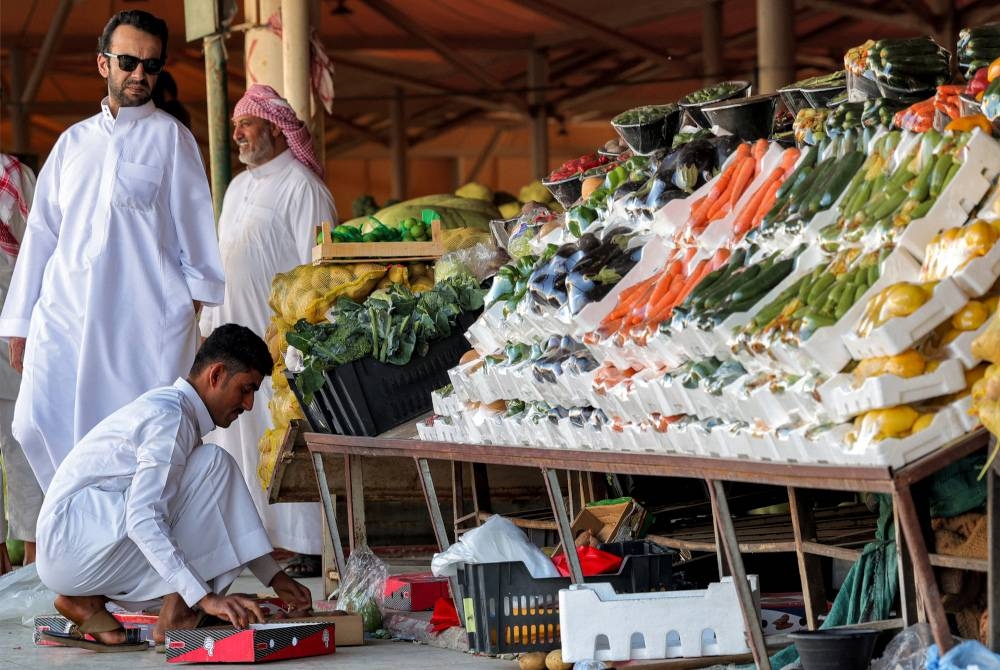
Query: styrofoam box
x=980 y=166
x=598 y=624
x=962 y=408
x=843 y=401
x=897 y=452
x=825 y=350
x=897 y=335
x=961 y=347
x=980 y=274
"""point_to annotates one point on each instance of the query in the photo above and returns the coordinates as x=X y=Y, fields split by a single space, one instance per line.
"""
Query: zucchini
x=940 y=171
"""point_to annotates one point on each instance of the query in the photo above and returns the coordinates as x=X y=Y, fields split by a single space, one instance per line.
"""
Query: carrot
x=627 y=301
x=759 y=149
x=743 y=218
x=741 y=181
x=755 y=210
x=789 y=159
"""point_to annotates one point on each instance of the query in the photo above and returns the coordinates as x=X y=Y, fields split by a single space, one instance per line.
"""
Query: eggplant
x=693 y=164
x=656 y=200
x=724 y=146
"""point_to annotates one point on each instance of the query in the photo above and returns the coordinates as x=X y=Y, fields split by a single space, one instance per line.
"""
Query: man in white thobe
x=24 y=497
x=119 y=253
x=268 y=222
x=141 y=509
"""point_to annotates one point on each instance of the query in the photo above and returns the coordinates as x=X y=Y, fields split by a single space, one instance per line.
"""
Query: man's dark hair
x=136 y=18
x=235 y=346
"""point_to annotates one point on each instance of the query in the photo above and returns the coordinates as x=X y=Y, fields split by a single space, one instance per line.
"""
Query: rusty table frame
x=919 y=594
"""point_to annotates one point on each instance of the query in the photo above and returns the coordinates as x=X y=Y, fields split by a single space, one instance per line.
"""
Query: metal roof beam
x=869 y=14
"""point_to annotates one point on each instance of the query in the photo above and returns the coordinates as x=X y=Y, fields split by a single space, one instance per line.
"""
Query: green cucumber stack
x=909 y=67
x=978 y=47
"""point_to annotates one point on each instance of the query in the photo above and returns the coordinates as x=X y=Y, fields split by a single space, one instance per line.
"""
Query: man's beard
x=261 y=153
x=123 y=98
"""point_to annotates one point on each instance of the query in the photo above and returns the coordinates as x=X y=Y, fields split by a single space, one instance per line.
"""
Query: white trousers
x=24 y=495
x=83 y=549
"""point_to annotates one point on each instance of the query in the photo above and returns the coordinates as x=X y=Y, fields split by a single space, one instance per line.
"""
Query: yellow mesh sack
x=267 y=450
x=278 y=379
x=308 y=291
x=274 y=337
x=987 y=345
x=284 y=407
x=463 y=238
x=397 y=274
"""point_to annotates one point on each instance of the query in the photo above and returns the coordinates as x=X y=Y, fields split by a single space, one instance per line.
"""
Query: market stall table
x=309 y=449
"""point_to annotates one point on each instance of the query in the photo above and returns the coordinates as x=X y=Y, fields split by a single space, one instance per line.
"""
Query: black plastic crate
x=508 y=611
x=367 y=397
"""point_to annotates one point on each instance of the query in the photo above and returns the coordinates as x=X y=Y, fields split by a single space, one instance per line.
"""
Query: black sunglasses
x=130 y=63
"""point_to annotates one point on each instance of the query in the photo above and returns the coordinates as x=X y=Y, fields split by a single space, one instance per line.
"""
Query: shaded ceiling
x=463 y=63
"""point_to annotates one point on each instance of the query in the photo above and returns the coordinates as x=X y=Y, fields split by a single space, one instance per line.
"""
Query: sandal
x=304 y=565
x=98 y=622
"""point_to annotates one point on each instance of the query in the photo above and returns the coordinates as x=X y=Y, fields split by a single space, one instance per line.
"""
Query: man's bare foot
x=29 y=553
x=174 y=614
x=80 y=608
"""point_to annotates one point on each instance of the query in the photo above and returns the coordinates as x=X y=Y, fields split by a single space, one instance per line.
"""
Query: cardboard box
x=350 y=627
x=60 y=624
x=260 y=642
x=616 y=522
x=414 y=592
x=782 y=613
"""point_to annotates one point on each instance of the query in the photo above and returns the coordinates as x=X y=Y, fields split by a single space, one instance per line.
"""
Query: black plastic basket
x=507 y=610
x=366 y=398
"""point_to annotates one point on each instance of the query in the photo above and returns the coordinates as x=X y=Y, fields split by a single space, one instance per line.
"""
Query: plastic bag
x=969 y=654
x=362 y=587
x=480 y=260
x=590 y=665
x=23 y=595
x=496 y=541
x=593 y=561
x=907 y=650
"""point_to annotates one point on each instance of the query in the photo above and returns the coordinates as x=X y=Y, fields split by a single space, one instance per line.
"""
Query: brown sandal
x=98 y=622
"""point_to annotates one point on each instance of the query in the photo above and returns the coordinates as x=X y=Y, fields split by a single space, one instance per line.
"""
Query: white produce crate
x=961 y=347
x=897 y=335
x=980 y=167
x=962 y=408
x=844 y=401
x=825 y=350
x=980 y=274
x=598 y=624
x=897 y=452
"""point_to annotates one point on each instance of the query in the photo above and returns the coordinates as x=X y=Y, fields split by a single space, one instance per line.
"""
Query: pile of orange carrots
x=762 y=200
x=917 y=118
x=643 y=306
x=729 y=187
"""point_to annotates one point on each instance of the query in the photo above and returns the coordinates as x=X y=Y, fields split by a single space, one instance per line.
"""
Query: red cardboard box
x=256 y=644
x=60 y=624
x=414 y=592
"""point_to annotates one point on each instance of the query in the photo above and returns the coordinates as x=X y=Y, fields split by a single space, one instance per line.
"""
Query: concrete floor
x=17 y=651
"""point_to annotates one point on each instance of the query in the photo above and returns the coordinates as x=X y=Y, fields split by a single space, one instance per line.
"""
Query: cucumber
x=872 y=274
x=940 y=171
x=922 y=183
x=847 y=169
x=892 y=201
x=844 y=304
x=819 y=288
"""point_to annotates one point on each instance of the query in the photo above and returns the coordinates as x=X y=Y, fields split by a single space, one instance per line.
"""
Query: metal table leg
x=930 y=596
x=727 y=535
x=563 y=524
x=331 y=514
x=437 y=523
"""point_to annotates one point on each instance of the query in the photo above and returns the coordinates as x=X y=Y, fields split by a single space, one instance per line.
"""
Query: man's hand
x=15 y=352
x=294 y=594
x=237 y=610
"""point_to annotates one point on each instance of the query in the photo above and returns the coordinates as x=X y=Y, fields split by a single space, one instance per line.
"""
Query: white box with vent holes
x=598 y=624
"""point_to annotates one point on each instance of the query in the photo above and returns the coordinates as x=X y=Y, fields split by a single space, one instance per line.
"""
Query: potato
x=533 y=661
x=554 y=661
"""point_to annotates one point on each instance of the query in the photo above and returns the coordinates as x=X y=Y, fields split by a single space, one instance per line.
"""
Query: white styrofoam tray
x=897 y=452
x=598 y=624
x=844 y=401
x=897 y=335
x=981 y=273
x=961 y=347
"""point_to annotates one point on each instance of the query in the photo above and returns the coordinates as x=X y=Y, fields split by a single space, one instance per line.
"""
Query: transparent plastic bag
x=496 y=541
x=480 y=260
x=362 y=587
x=590 y=665
x=969 y=654
x=23 y=595
x=907 y=650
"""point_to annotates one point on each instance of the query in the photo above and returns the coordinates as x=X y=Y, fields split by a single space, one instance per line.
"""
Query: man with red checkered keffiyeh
x=24 y=496
x=267 y=225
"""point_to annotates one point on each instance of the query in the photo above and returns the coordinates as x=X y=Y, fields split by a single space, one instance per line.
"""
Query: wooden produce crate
x=328 y=251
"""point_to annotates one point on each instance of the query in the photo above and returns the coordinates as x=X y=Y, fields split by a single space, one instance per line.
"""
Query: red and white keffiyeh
x=10 y=197
x=262 y=101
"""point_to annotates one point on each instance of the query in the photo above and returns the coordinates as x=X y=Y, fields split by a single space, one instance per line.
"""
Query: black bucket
x=835 y=649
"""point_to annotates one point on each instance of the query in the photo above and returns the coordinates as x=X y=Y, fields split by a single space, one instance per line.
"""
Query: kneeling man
x=140 y=510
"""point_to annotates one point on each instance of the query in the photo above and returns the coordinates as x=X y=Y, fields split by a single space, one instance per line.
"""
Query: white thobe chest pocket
x=137 y=186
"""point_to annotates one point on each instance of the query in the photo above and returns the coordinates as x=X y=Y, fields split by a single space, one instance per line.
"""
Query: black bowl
x=647 y=137
x=748 y=118
x=836 y=648
x=794 y=99
x=567 y=191
x=820 y=97
x=693 y=109
x=861 y=87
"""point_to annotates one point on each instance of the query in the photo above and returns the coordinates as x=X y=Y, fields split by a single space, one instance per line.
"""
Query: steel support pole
x=711 y=42
x=563 y=524
x=18 y=112
x=538 y=77
x=775 y=44
x=331 y=514
x=398 y=143
x=218 y=119
x=437 y=523
x=295 y=56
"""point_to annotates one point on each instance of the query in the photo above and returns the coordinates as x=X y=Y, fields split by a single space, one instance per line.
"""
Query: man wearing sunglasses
x=120 y=251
